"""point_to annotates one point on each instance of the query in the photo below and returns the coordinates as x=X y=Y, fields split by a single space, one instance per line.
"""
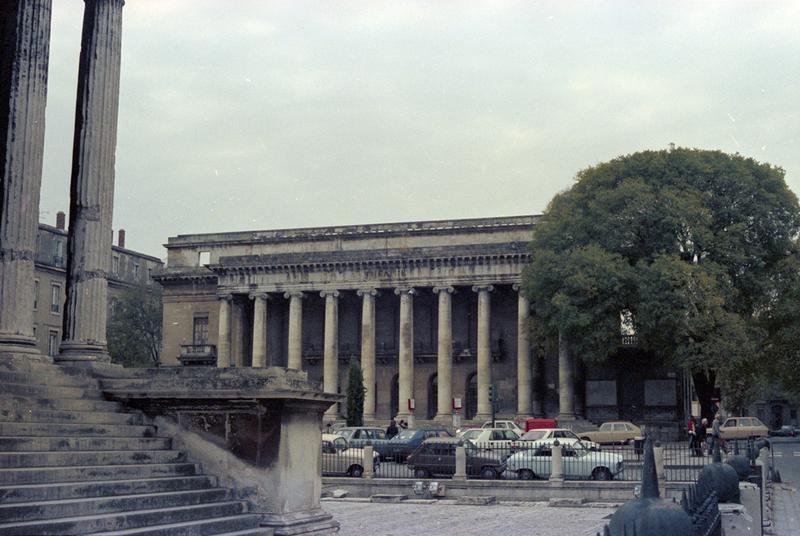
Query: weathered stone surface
x=476 y=500
x=566 y=501
x=339 y=493
x=383 y=498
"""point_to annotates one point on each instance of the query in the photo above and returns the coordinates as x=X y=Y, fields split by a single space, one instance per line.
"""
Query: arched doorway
x=471 y=396
x=433 y=401
x=395 y=395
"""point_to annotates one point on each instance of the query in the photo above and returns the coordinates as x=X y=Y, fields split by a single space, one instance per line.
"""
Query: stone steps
x=63 y=416
x=20 y=403
x=103 y=488
x=116 y=521
x=97 y=457
x=204 y=527
x=45 y=391
x=72 y=462
x=37 y=475
x=42 y=443
x=17 y=429
x=17 y=512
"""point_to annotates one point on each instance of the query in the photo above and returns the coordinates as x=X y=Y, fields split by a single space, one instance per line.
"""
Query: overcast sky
x=246 y=115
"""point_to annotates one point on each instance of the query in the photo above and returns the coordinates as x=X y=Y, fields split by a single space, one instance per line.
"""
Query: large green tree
x=133 y=329
x=692 y=243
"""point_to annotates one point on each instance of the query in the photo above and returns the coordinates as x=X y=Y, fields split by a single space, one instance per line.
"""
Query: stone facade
x=416 y=303
x=128 y=268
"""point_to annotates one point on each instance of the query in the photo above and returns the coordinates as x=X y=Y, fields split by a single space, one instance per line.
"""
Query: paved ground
x=534 y=519
x=786 y=511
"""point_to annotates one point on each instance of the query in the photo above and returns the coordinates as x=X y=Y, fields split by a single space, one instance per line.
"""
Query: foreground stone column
x=405 y=378
x=524 y=383
x=444 y=356
x=259 y=329
x=224 y=338
x=484 y=351
x=368 y=350
x=25 y=30
x=295 y=346
x=330 y=366
x=566 y=407
x=92 y=184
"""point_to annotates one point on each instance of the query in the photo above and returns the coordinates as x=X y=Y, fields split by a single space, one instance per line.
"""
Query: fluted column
x=295 y=346
x=405 y=378
x=25 y=31
x=224 y=338
x=259 y=329
x=566 y=397
x=368 y=350
x=484 y=351
x=330 y=363
x=524 y=383
x=92 y=183
x=444 y=356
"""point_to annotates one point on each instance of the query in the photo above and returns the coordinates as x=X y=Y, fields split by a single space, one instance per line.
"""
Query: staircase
x=72 y=463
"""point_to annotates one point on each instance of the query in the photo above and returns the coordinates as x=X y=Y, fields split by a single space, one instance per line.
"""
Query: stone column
x=444 y=356
x=484 y=351
x=566 y=396
x=92 y=184
x=330 y=366
x=25 y=30
x=295 y=346
x=405 y=378
x=224 y=339
x=368 y=350
x=524 y=383
x=259 y=329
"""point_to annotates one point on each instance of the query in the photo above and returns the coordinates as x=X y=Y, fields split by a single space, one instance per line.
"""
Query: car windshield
x=471 y=434
x=405 y=435
x=533 y=435
x=347 y=434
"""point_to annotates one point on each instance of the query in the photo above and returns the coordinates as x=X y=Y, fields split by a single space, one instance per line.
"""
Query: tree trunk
x=704 y=387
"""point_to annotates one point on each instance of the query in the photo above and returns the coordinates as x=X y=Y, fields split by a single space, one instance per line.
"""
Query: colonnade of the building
x=527 y=405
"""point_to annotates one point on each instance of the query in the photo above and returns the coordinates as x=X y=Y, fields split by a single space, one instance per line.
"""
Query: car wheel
x=419 y=472
x=526 y=474
x=355 y=471
x=601 y=473
x=488 y=473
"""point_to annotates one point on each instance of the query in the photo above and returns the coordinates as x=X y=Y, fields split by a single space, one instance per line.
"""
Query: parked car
x=577 y=463
x=743 y=428
x=400 y=446
x=565 y=436
x=437 y=456
x=618 y=432
x=358 y=436
x=491 y=438
x=508 y=425
x=338 y=458
x=787 y=430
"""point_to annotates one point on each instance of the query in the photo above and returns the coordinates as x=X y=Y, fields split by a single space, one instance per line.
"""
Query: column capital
x=371 y=291
x=225 y=297
x=262 y=295
x=326 y=293
x=450 y=289
x=405 y=290
x=294 y=294
x=483 y=288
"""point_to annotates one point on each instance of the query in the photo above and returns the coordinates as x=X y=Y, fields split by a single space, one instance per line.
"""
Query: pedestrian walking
x=700 y=437
x=716 y=434
x=690 y=431
x=392 y=430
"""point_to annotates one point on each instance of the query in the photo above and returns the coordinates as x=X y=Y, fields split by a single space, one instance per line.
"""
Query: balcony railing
x=198 y=355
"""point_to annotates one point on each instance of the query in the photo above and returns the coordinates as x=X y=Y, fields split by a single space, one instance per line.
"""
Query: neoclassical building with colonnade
x=432 y=310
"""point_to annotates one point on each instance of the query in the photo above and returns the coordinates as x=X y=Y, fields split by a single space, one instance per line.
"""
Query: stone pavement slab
x=786 y=511
x=534 y=519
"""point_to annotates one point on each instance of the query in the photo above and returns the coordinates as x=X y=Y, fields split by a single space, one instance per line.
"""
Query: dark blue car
x=403 y=444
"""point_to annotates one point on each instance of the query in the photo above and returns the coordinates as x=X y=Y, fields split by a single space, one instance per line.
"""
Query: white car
x=547 y=436
x=491 y=438
x=338 y=458
x=508 y=425
x=578 y=463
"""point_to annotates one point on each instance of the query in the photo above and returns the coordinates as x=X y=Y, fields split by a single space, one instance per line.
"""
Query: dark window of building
x=471 y=391
x=136 y=270
x=115 y=264
x=52 y=342
x=200 y=329
x=433 y=396
x=55 y=298
x=35 y=294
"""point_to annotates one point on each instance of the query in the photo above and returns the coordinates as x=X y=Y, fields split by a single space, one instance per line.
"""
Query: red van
x=538 y=424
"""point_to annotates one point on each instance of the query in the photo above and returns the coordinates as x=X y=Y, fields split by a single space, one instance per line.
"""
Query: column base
x=566 y=417
x=482 y=417
x=80 y=353
x=523 y=416
x=444 y=418
x=314 y=522
x=18 y=345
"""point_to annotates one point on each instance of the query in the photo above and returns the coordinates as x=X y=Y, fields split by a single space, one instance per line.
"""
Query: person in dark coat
x=700 y=433
x=392 y=430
